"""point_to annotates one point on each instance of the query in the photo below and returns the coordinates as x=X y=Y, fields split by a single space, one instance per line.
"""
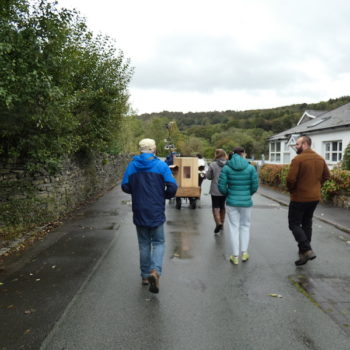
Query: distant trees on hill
x=227 y=129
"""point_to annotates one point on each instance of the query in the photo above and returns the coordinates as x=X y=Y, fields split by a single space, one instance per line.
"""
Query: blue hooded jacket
x=150 y=182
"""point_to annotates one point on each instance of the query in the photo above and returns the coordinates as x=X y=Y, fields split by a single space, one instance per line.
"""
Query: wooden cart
x=185 y=171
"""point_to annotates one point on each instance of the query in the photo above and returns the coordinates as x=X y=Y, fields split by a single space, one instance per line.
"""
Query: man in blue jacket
x=150 y=183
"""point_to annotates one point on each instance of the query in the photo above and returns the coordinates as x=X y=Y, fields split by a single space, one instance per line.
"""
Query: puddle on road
x=331 y=294
x=181 y=244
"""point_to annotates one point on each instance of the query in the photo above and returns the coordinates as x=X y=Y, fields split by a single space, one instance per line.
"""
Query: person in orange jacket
x=307 y=173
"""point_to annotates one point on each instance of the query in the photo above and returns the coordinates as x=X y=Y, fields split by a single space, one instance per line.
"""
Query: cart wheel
x=178 y=203
x=193 y=203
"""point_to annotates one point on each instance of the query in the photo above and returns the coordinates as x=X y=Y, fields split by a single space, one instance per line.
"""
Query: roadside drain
x=331 y=294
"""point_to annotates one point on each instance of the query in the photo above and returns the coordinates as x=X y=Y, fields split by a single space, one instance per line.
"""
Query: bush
x=61 y=88
x=346 y=158
x=275 y=175
x=339 y=183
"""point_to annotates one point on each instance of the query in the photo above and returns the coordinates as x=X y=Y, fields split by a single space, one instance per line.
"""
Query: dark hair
x=238 y=150
x=306 y=139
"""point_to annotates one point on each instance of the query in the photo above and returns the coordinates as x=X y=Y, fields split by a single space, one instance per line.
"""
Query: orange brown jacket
x=307 y=173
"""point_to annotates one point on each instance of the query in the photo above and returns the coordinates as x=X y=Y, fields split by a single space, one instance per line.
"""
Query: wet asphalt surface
x=80 y=287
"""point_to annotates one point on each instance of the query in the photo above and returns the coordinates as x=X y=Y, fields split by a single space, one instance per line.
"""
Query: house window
x=275 y=153
x=333 y=151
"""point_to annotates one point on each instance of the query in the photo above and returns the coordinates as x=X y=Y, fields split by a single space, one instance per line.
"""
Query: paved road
x=80 y=288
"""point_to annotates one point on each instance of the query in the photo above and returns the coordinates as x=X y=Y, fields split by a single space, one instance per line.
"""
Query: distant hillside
x=274 y=119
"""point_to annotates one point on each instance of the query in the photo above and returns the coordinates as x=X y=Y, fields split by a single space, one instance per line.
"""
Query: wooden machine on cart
x=185 y=171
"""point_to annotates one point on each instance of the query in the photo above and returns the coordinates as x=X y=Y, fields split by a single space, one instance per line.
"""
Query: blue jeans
x=151 y=246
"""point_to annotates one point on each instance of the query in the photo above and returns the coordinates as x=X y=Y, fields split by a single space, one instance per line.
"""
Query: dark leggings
x=218 y=202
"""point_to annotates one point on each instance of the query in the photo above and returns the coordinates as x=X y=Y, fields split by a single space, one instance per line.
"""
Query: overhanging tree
x=61 y=88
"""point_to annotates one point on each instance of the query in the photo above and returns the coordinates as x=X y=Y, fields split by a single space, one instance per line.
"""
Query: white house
x=329 y=132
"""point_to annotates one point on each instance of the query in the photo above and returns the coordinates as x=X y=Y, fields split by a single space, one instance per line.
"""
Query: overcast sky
x=201 y=55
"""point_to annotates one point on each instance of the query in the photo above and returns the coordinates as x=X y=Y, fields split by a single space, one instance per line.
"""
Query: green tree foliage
x=274 y=119
x=62 y=90
x=192 y=145
x=131 y=135
x=250 y=129
x=254 y=141
x=346 y=158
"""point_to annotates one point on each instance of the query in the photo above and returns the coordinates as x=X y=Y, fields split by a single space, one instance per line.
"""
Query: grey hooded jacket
x=213 y=174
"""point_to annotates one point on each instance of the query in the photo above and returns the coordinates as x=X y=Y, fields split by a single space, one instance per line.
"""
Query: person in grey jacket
x=238 y=181
x=217 y=198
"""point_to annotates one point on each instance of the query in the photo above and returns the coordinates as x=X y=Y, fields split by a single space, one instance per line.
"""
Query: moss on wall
x=31 y=200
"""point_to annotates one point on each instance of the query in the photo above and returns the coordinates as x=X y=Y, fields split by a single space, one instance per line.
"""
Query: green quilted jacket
x=238 y=181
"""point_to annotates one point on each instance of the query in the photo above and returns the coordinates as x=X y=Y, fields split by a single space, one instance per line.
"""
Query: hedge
x=275 y=175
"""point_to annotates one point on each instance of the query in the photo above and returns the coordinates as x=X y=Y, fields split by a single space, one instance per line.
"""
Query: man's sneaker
x=153 y=280
x=245 y=256
x=234 y=260
x=145 y=282
x=305 y=257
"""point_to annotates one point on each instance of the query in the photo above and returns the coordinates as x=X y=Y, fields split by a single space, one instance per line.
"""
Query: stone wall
x=28 y=200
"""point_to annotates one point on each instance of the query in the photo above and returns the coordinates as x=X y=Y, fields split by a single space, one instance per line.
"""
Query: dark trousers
x=300 y=223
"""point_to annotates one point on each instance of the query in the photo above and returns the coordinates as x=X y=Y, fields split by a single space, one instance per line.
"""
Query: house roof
x=314 y=112
x=310 y=114
x=336 y=118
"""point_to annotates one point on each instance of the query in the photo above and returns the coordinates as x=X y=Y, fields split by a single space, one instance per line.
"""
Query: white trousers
x=239 y=228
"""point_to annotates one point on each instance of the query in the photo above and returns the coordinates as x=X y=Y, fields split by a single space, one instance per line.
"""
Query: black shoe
x=218 y=228
x=305 y=257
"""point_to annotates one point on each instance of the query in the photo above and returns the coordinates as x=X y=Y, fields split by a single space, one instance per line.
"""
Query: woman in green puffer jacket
x=238 y=181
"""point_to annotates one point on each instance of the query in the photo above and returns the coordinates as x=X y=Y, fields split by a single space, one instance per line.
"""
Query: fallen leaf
x=11 y=306
x=30 y=311
x=37 y=280
x=1 y=284
x=27 y=331
x=275 y=295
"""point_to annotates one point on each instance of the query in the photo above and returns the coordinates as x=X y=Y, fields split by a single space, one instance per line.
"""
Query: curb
x=321 y=218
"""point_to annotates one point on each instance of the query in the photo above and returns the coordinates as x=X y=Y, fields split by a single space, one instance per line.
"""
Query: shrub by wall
x=346 y=158
x=274 y=175
x=30 y=200
x=336 y=190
